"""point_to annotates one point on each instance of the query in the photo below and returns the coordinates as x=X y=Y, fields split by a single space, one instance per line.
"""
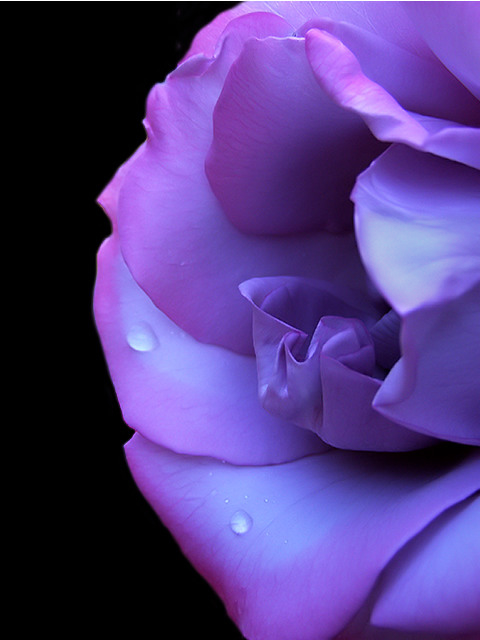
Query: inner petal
x=316 y=362
x=284 y=157
x=386 y=338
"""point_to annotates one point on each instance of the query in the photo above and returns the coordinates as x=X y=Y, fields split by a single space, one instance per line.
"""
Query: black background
x=129 y=574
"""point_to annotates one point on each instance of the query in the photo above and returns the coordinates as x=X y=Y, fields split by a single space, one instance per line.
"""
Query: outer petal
x=206 y=40
x=178 y=392
x=387 y=25
x=281 y=160
x=182 y=250
x=433 y=583
x=108 y=199
x=452 y=30
x=260 y=534
x=419 y=233
x=339 y=73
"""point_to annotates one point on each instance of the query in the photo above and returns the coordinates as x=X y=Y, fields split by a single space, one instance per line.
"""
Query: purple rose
x=289 y=305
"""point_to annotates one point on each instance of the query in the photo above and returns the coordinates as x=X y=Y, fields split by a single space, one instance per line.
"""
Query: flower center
x=322 y=352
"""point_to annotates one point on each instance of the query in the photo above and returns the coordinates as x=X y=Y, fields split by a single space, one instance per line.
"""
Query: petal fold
x=339 y=73
x=195 y=398
x=386 y=20
x=432 y=586
x=316 y=362
x=191 y=263
x=451 y=29
x=435 y=386
x=278 y=173
x=418 y=228
x=418 y=231
x=260 y=534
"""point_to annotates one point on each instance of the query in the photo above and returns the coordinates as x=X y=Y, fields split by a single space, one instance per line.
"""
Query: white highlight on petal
x=141 y=337
x=241 y=522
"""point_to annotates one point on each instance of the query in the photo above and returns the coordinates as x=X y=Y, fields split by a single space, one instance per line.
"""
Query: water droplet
x=285 y=541
x=241 y=522
x=142 y=338
x=226 y=500
x=265 y=499
x=246 y=497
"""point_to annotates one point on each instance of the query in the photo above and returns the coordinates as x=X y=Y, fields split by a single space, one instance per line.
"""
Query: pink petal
x=295 y=549
x=178 y=392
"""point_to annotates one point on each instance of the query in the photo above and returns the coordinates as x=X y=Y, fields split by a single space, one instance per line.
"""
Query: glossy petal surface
x=339 y=73
x=280 y=160
x=418 y=227
x=440 y=361
x=451 y=29
x=254 y=143
x=387 y=20
x=419 y=84
x=183 y=251
x=419 y=233
x=432 y=586
x=310 y=523
x=194 y=398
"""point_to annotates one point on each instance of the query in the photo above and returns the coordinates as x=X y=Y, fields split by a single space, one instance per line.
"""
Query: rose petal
x=108 y=199
x=451 y=29
x=183 y=251
x=178 y=392
x=419 y=234
x=350 y=422
x=315 y=369
x=286 y=312
x=418 y=227
x=432 y=585
x=278 y=174
x=435 y=386
x=419 y=84
x=340 y=75
x=387 y=20
x=260 y=534
x=386 y=338
x=206 y=40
